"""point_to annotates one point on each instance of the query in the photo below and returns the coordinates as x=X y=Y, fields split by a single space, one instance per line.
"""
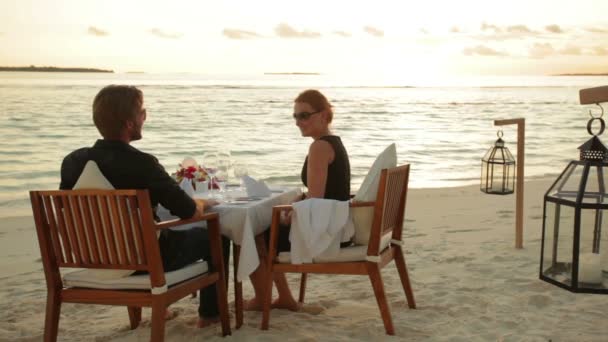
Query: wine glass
x=210 y=163
x=224 y=166
x=240 y=171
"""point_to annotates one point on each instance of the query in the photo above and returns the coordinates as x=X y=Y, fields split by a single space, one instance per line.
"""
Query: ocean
x=441 y=127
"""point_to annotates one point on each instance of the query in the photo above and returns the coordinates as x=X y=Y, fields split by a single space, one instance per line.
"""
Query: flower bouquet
x=195 y=173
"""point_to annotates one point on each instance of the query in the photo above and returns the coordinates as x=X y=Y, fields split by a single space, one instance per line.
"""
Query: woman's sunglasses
x=303 y=116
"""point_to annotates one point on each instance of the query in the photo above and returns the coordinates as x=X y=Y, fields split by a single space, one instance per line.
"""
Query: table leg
x=238 y=287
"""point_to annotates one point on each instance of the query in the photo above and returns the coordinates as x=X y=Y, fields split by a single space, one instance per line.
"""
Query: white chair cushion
x=92 y=178
x=363 y=216
x=347 y=254
x=84 y=278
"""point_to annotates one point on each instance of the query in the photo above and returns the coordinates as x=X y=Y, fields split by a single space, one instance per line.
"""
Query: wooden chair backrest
x=107 y=229
x=389 y=209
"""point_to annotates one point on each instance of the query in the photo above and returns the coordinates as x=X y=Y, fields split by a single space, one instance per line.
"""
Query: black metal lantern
x=574 y=252
x=498 y=169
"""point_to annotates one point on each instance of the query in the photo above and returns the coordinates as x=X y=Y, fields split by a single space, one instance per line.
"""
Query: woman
x=326 y=174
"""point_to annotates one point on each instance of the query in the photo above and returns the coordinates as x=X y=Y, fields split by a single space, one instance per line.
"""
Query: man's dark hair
x=113 y=106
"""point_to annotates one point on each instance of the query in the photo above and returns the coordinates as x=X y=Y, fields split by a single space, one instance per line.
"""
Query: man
x=119 y=115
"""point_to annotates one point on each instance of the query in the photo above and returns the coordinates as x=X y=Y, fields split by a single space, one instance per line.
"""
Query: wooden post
x=519 y=192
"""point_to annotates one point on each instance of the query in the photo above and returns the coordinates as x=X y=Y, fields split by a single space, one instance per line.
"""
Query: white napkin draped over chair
x=317 y=228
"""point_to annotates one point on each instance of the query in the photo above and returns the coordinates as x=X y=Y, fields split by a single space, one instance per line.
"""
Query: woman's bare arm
x=320 y=155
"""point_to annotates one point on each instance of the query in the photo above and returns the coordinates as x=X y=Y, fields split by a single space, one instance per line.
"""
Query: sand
x=470 y=284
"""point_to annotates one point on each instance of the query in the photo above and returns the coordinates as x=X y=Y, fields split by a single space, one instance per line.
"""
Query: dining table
x=242 y=218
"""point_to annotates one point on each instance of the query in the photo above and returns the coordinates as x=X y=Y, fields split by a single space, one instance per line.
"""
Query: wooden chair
x=115 y=229
x=384 y=246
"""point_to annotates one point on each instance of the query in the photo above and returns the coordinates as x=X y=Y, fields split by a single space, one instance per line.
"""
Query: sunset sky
x=427 y=37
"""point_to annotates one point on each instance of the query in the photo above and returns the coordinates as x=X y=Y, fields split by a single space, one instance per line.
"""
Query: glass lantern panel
x=595 y=189
x=490 y=154
x=593 y=250
x=485 y=184
x=497 y=178
x=508 y=155
x=510 y=177
x=558 y=242
x=567 y=187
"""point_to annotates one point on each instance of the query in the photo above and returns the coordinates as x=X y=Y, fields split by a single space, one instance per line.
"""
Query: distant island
x=292 y=73
x=33 y=68
x=582 y=74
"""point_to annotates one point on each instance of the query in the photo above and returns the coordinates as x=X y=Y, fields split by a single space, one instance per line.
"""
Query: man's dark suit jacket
x=128 y=168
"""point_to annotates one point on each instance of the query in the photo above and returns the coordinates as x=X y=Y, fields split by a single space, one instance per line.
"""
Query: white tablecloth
x=242 y=222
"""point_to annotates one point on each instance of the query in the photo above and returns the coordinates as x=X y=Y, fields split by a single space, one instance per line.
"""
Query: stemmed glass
x=224 y=164
x=210 y=163
x=240 y=171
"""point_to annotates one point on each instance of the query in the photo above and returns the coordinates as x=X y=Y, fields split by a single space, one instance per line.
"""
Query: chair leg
x=238 y=287
x=157 y=329
x=134 y=316
x=302 y=287
x=405 y=279
x=267 y=299
x=53 y=309
x=222 y=300
x=374 y=275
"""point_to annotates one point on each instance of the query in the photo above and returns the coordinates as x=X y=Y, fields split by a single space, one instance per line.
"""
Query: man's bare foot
x=170 y=314
x=207 y=321
x=253 y=304
x=287 y=304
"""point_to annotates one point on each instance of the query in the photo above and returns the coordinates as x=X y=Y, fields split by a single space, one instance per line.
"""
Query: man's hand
x=201 y=205
x=210 y=203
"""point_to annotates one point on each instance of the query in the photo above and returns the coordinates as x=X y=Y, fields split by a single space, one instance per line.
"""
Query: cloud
x=541 y=50
x=519 y=29
x=571 y=50
x=239 y=34
x=482 y=50
x=486 y=27
x=162 y=34
x=596 y=30
x=494 y=32
x=373 y=31
x=554 y=29
x=285 y=31
x=95 y=31
x=600 y=51
x=342 y=34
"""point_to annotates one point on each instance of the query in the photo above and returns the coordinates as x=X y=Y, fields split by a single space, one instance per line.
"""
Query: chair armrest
x=179 y=222
x=282 y=207
x=361 y=204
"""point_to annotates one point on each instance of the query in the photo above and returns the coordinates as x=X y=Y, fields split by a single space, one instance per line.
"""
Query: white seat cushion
x=347 y=254
x=84 y=278
x=364 y=216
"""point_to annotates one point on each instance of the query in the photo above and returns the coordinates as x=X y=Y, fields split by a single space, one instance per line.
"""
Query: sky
x=418 y=38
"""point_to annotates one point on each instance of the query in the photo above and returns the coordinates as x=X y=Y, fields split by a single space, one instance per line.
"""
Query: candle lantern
x=574 y=252
x=498 y=169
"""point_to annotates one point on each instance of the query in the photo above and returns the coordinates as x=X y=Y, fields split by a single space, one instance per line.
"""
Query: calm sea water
x=441 y=129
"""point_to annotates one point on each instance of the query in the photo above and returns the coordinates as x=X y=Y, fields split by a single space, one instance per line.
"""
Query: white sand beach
x=470 y=284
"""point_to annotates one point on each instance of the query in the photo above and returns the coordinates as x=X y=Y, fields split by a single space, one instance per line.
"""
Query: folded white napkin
x=256 y=188
x=186 y=185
